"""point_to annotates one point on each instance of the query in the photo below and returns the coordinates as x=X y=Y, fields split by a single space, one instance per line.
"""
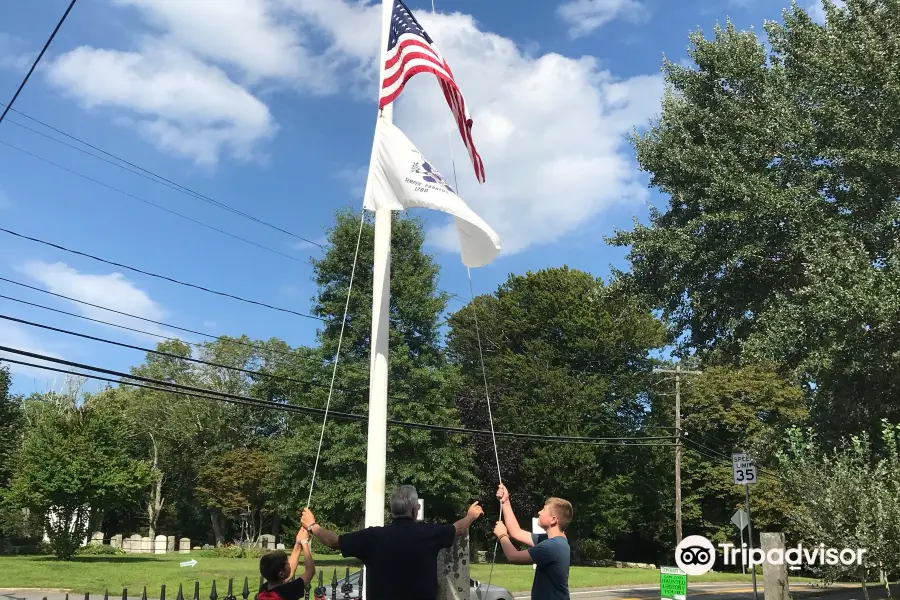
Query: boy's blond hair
x=562 y=510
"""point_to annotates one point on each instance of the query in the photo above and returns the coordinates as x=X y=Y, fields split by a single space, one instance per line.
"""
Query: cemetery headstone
x=184 y=545
x=159 y=544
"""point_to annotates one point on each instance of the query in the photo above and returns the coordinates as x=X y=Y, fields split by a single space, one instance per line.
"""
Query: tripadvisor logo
x=695 y=555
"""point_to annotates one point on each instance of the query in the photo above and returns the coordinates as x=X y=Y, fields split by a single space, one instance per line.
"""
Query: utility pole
x=678 y=373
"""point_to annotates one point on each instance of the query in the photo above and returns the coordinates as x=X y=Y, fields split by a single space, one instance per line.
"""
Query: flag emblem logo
x=428 y=173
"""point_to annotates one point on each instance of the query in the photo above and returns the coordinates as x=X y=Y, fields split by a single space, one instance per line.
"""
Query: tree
x=564 y=355
x=236 y=483
x=74 y=459
x=11 y=427
x=779 y=241
x=180 y=434
x=727 y=410
x=848 y=497
x=420 y=385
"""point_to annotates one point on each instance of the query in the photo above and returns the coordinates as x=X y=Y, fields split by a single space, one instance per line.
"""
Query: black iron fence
x=350 y=588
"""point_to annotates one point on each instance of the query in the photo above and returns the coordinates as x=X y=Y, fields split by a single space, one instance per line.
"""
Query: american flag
x=411 y=51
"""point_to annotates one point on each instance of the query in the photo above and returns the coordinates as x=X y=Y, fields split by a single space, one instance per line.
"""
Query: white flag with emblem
x=400 y=178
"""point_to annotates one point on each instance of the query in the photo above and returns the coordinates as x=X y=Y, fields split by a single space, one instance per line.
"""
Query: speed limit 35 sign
x=742 y=468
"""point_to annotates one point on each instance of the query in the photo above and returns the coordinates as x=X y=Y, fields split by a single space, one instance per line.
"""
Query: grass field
x=96 y=574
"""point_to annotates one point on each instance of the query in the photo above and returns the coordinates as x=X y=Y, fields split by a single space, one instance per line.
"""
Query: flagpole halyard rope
x=487 y=395
x=337 y=354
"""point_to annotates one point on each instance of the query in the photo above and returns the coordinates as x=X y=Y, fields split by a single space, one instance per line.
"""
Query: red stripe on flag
x=409 y=73
x=388 y=82
x=400 y=48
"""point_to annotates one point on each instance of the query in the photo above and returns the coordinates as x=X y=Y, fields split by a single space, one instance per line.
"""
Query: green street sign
x=672 y=583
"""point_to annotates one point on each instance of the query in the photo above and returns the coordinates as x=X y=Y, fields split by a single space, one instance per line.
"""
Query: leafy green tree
x=564 y=355
x=10 y=426
x=180 y=434
x=727 y=410
x=75 y=458
x=779 y=241
x=420 y=384
x=11 y=429
x=236 y=484
x=848 y=497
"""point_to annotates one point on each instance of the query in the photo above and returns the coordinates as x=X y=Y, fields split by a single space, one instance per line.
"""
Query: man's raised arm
x=329 y=538
x=509 y=518
x=462 y=526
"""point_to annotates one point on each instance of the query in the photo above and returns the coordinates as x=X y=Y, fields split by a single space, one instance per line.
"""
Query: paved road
x=728 y=591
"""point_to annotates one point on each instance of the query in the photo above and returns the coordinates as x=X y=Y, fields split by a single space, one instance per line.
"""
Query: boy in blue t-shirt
x=548 y=551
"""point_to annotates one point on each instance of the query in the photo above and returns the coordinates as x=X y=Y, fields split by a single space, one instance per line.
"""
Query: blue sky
x=269 y=106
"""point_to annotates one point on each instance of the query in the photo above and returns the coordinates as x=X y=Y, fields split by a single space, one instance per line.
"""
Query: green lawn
x=96 y=574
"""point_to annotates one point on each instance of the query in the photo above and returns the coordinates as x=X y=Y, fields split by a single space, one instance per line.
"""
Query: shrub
x=231 y=551
x=99 y=550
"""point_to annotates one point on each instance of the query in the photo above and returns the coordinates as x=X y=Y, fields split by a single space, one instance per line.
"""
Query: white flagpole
x=378 y=366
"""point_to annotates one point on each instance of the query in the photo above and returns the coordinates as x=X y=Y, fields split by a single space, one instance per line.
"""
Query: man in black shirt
x=401 y=557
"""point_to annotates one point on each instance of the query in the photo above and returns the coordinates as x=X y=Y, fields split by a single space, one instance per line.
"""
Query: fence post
x=196 y=590
x=162 y=592
x=334 y=584
x=230 y=595
x=180 y=595
x=124 y=593
x=320 y=589
x=246 y=593
x=347 y=587
x=212 y=593
x=144 y=593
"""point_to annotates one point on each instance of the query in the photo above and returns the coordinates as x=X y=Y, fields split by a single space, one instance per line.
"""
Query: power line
x=37 y=60
x=164 y=277
x=145 y=319
x=167 y=182
x=151 y=203
x=225 y=396
x=160 y=352
x=140 y=172
x=197 y=360
x=257 y=373
x=716 y=455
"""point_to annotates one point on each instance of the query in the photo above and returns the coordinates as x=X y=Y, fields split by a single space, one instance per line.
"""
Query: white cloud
x=12 y=53
x=184 y=105
x=113 y=291
x=20 y=337
x=584 y=16
x=245 y=33
x=550 y=130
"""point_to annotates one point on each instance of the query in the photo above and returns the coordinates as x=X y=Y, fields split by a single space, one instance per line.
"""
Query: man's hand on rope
x=500 y=530
x=475 y=511
x=502 y=494
x=307 y=518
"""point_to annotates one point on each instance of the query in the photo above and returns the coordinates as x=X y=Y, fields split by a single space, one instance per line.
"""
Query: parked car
x=478 y=590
